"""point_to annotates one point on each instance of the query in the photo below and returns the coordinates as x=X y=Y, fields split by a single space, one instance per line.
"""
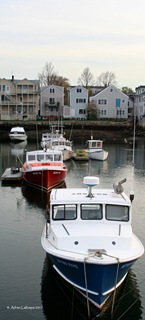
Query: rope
x=114 y=294
x=86 y=284
x=99 y=253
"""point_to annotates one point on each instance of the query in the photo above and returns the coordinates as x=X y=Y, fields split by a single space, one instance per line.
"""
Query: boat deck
x=80 y=155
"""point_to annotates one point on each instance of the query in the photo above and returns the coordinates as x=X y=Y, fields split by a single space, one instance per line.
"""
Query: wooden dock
x=12 y=175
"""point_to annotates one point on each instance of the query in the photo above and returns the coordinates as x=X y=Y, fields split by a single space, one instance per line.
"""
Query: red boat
x=44 y=169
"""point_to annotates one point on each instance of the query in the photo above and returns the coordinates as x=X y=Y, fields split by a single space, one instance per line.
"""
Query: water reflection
x=18 y=149
x=36 y=197
x=59 y=298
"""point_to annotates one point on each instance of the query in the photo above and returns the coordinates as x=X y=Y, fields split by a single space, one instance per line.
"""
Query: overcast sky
x=102 y=35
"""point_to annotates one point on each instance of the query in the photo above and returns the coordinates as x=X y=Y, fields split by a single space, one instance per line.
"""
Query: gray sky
x=99 y=34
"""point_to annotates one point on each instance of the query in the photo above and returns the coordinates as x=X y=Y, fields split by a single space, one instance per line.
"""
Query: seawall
x=111 y=131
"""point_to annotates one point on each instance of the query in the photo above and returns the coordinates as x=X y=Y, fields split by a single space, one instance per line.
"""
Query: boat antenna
x=134 y=127
x=71 y=132
x=37 y=134
x=91 y=135
x=133 y=150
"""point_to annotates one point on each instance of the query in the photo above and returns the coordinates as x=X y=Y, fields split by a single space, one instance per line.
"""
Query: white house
x=52 y=101
x=139 y=101
x=78 y=100
x=111 y=103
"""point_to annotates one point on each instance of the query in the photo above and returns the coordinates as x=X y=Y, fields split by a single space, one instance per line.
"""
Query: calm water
x=29 y=288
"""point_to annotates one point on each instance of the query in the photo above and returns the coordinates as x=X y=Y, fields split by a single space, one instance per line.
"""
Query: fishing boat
x=56 y=140
x=89 y=239
x=17 y=134
x=95 y=150
x=44 y=169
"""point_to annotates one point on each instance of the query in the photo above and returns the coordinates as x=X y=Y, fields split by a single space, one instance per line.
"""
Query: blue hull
x=94 y=281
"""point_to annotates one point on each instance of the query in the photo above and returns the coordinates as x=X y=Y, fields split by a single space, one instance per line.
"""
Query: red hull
x=45 y=179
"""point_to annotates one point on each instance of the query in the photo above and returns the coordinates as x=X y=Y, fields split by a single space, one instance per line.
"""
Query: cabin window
x=64 y=212
x=40 y=157
x=91 y=211
x=55 y=143
x=57 y=157
x=31 y=157
x=117 y=213
x=49 y=157
x=94 y=145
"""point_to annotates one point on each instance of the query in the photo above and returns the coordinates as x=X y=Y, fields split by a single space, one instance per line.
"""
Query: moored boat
x=56 y=140
x=89 y=238
x=17 y=134
x=95 y=150
x=44 y=169
x=80 y=155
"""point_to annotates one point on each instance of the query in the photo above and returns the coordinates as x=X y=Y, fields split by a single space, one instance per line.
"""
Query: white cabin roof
x=80 y=195
x=17 y=129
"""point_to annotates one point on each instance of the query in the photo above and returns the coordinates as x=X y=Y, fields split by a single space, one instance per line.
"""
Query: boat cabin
x=61 y=142
x=43 y=156
x=104 y=206
x=102 y=218
x=94 y=144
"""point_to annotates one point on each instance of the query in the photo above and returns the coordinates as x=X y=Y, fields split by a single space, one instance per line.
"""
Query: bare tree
x=86 y=78
x=106 y=78
x=48 y=76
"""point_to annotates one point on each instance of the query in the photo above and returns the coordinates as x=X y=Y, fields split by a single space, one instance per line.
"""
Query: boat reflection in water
x=38 y=197
x=60 y=299
x=18 y=149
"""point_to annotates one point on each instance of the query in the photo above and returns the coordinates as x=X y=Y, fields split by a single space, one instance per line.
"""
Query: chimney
x=12 y=78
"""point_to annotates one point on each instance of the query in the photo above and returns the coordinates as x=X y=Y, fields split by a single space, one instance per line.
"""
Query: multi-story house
x=51 y=102
x=19 y=99
x=111 y=103
x=78 y=100
x=139 y=101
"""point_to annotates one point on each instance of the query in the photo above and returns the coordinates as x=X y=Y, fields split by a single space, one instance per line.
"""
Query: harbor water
x=29 y=287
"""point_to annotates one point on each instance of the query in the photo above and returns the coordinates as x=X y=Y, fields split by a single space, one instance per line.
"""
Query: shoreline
x=77 y=131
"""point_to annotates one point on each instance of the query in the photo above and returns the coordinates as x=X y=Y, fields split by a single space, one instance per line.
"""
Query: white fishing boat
x=56 y=141
x=89 y=239
x=17 y=134
x=95 y=150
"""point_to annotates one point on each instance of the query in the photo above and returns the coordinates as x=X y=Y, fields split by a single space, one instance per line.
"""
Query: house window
x=80 y=100
x=111 y=90
x=52 y=100
x=19 y=110
x=79 y=90
x=30 y=109
x=82 y=111
x=102 y=101
x=52 y=90
x=120 y=112
x=123 y=101
x=25 y=110
x=102 y=112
